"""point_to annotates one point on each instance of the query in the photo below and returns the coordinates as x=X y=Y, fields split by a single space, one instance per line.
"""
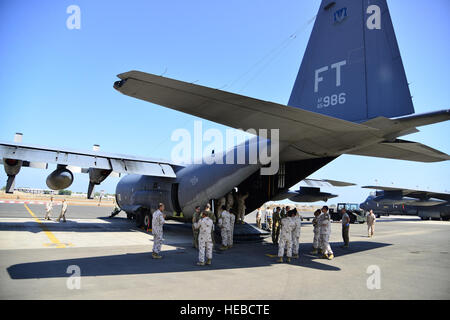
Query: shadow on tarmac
x=110 y=225
x=182 y=259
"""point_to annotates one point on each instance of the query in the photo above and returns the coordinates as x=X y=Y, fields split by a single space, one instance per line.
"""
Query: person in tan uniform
x=371 y=223
x=48 y=209
x=63 y=211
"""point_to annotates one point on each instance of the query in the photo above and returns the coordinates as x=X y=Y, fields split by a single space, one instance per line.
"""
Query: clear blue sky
x=56 y=83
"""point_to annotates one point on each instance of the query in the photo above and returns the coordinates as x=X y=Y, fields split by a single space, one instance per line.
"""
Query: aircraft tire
x=147 y=220
x=139 y=218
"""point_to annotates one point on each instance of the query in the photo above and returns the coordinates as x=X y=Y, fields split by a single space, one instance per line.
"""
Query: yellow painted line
x=271 y=255
x=54 y=241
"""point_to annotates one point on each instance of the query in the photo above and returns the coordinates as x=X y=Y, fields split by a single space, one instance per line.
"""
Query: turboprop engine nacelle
x=12 y=168
x=60 y=179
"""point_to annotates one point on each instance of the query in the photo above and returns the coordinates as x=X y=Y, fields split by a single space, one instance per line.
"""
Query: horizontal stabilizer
x=424 y=119
x=393 y=128
x=402 y=150
x=230 y=109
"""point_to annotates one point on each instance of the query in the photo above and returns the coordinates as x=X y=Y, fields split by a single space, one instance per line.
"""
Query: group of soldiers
x=203 y=226
x=233 y=201
x=285 y=225
x=49 y=210
x=285 y=228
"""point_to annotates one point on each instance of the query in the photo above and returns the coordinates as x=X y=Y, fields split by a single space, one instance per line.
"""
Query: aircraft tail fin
x=352 y=67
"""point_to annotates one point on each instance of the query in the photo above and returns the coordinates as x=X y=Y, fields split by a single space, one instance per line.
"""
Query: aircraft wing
x=39 y=157
x=99 y=165
x=411 y=193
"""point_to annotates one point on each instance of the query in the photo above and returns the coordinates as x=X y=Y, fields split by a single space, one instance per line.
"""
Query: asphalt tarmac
x=94 y=257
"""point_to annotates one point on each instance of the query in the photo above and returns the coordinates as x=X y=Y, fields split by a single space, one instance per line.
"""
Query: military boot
x=156 y=256
x=200 y=263
x=280 y=259
x=208 y=262
x=314 y=251
x=330 y=256
x=295 y=256
x=223 y=248
x=288 y=259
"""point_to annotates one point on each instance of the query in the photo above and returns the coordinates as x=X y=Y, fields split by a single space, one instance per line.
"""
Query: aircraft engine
x=12 y=168
x=60 y=179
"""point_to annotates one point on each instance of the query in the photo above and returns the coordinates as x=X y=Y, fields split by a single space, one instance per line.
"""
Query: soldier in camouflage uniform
x=231 y=234
x=324 y=222
x=241 y=207
x=297 y=221
x=225 y=228
x=206 y=228
x=230 y=201
x=195 y=218
x=220 y=203
x=157 y=230
x=316 y=232
x=277 y=216
x=276 y=224
x=287 y=226
x=212 y=216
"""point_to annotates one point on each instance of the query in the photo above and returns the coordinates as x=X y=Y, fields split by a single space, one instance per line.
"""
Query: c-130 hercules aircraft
x=351 y=96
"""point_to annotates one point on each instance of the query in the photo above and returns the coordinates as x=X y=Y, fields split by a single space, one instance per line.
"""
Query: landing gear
x=147 y=221
x=144 y=218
